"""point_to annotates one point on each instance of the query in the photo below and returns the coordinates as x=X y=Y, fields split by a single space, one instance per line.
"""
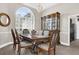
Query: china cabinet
x=51 y=22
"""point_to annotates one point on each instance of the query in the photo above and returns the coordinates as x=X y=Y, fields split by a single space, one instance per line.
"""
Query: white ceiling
x=40 y=6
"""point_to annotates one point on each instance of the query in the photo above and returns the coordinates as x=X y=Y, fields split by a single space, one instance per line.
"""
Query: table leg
x=34 y=47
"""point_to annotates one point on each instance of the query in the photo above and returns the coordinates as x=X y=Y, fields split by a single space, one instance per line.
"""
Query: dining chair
x=33 y=32
x=46 y=33
x=14 y=39
x=26 y=31
x=51 y=45
x=22 y=44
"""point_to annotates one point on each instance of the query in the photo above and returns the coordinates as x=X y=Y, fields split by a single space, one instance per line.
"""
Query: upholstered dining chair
x=14 y=39
x=26 y=31
x=45 y=32
x=22 y=44
x=51 y=45
x=33 y=32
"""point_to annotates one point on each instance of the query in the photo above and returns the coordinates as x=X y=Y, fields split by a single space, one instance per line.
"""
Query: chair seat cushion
x=24 y=43
x=44 y=46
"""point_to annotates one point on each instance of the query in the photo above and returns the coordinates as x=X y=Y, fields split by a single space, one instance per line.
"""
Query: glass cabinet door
x=50 y=22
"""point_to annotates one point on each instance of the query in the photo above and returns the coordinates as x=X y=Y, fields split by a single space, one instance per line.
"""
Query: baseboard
x=6 y=44
x=64 y=44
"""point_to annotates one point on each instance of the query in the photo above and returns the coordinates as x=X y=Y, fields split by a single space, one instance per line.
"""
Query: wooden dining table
x=35 y=39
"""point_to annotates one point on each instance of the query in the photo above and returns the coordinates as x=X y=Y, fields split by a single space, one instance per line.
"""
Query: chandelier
x=39 y=7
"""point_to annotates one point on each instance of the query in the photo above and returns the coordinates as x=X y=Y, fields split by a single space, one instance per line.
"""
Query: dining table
x=35 y=39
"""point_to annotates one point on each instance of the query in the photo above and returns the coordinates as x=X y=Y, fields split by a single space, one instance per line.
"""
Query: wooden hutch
x=51 y=22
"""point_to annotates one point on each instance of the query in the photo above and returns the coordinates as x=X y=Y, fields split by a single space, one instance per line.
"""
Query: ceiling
x=40 y=6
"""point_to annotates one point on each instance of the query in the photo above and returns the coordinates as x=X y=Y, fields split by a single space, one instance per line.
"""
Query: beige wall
x=10 y=9
x=4 y=31
x=66 y=9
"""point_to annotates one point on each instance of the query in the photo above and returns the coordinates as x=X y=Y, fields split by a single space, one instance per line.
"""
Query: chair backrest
x=26 y=31
x=17 y=37
x=46 y=32
x=54 y=38
x=40 y=32
x=13 y=35
x=33 y=32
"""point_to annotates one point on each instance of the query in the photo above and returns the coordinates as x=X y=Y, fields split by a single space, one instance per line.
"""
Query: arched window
x=25 y=19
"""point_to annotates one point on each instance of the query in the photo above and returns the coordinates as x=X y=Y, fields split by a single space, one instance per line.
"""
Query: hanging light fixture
x=39 y=7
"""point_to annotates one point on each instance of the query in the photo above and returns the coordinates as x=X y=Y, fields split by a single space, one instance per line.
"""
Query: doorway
x=72 y=30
